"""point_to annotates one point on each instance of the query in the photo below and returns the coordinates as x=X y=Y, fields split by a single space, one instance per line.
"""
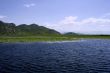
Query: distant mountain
x=10 y=29
x=71 y=33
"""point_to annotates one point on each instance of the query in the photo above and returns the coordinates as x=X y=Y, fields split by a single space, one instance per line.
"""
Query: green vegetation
x=53 y=38
x=33 y=39
x=10 y=29
x=9 y=32
x=89 y=36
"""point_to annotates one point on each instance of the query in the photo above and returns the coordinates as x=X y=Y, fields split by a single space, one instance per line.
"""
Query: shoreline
x=32 y=39
x=57 y=41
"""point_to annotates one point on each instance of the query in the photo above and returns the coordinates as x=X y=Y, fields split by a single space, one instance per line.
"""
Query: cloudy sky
x=82 y=16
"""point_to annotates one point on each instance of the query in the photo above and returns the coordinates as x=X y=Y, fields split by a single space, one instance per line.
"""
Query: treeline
x=11 y=29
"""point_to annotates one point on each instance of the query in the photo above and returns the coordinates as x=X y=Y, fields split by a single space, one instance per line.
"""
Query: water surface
x=85 y=56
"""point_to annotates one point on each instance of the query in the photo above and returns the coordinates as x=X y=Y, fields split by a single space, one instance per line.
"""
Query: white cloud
x=30 y=5
x=89 y=25
x=69 y=20
x=1 y=16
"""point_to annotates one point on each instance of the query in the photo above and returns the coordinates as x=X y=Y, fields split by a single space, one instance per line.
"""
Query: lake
x=81 y=56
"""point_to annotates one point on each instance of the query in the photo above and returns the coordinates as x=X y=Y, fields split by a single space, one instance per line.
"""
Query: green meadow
x=50 y=38
x=33 y=39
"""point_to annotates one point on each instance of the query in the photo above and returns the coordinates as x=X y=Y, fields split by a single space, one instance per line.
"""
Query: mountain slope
x=10 y=29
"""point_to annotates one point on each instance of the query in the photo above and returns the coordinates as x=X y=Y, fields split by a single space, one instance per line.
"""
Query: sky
x=80 y=16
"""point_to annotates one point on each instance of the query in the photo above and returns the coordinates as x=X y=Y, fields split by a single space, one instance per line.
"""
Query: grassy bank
x=90 y=36
x=33 y=39
x=48 y=38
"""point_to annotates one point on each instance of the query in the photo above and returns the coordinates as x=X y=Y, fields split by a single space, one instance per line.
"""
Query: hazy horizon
x=81 y=16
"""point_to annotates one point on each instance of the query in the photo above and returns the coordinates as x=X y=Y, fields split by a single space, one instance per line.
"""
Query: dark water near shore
x=86 y=56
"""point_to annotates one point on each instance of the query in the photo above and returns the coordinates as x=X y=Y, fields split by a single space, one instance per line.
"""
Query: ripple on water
x=85 y=56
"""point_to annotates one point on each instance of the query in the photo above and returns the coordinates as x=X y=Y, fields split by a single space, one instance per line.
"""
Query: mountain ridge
x=11 y=29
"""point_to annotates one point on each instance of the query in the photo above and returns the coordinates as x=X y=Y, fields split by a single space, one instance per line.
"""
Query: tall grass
x=49 y=38
x=33 y=39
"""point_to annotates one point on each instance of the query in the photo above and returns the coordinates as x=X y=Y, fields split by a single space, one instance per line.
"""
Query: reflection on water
x=89 y=56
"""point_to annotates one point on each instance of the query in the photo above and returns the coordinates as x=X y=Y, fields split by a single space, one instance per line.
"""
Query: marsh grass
x=49 y=38
x=33 y=39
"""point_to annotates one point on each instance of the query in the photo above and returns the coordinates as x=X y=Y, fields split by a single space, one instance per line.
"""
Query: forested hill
x=11 y=29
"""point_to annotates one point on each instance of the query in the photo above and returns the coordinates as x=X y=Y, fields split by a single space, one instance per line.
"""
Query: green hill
x=70 y=34
x=10 y=29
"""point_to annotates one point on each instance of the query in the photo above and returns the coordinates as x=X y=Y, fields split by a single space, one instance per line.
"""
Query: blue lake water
x=83 y=56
